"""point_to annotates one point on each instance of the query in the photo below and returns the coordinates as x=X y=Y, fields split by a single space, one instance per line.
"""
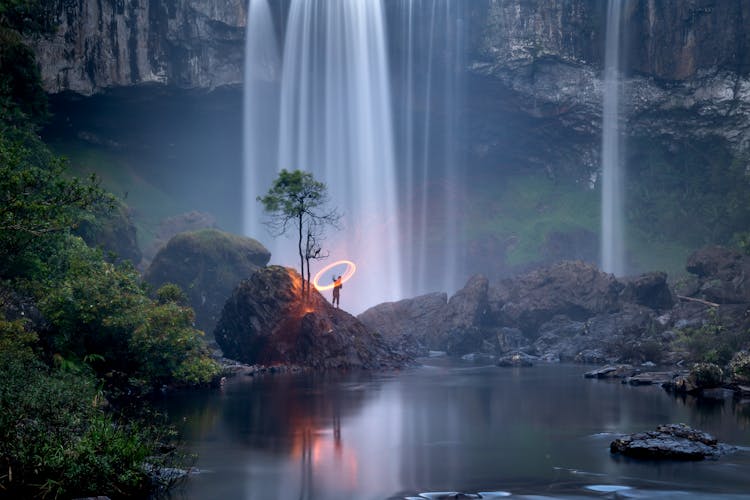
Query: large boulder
x=723 y=274
x=266 y=321
x=574 y=289
x=207 y=264
x=172 y=226
x=415 y=323
x=650 y=290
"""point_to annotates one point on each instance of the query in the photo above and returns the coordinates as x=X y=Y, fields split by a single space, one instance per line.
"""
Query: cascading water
x=334 y=121
x=429 y=61
x=261 y=104
x=325 y=106
x=613 y=225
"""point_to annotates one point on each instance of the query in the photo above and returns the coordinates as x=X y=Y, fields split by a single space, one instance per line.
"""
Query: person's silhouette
x=337 y=284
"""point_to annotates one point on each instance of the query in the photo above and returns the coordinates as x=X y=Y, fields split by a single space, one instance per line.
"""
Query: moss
x=207 y=264
x=527 y=208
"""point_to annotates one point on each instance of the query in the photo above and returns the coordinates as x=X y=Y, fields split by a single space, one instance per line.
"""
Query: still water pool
x=447 y=426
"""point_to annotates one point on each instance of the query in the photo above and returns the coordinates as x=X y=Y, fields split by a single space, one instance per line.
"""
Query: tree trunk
x=301 y=255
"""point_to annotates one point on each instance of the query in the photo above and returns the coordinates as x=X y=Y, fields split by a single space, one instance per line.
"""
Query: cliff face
x=687 y=62
x=110 y=43
x=686 y=66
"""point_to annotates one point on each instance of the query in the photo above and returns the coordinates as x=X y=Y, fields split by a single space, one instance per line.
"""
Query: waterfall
x=429 y=63
x=613 y=224
x=323 y=103
x=261 y=101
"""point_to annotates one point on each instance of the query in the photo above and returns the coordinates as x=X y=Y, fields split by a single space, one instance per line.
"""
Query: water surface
x=447 y=427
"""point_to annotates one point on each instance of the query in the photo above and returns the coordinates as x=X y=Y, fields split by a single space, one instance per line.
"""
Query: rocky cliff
x=534 y=63
x=110 y=43
x=685 y=65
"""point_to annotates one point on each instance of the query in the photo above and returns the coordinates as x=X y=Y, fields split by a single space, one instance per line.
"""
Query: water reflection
x=444 y=427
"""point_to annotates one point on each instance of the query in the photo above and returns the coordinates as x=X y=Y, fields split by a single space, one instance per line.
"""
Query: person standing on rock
x=337 y=291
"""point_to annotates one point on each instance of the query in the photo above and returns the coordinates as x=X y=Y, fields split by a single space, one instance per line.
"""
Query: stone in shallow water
x=673 y=441
x=607 y=488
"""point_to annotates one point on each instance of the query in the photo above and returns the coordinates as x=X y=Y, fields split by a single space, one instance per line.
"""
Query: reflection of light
x=331 y=462
x=350 y=269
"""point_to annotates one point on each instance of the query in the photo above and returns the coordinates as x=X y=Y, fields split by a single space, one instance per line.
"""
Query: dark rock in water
x=478 y=357
x=702 y=377
x=650 y=290
x=207 y=264
x=651 y=378
x=673 y=441
x=724 y=274
x=612 y=371
x=517 y=359
x=265 y=321
x=574 y=289
x=417 y=324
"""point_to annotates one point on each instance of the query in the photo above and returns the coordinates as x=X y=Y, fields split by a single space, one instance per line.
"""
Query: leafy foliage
x=297 y=199
x=739 y=367
x=696 y=185
x=55 y=439
x=97 y=307
x=37 y=203
x=712 y=342
x=27 y=16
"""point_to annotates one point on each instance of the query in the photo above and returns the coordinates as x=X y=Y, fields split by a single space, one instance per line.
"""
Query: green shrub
x=55 y=439
x=706 y=375
x=713 y=342
x=169 y=349
x=739 y=368
x=169 y=292
x=99 y=308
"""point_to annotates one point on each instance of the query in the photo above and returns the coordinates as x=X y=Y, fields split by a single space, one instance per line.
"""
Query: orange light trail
x=351 y=268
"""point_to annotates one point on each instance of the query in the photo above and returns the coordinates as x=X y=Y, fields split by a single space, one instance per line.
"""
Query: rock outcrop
x=265 y=321
x=207 y=265
x=569 y=311
x=195 y=44
x=416 y=324
x=723 y=275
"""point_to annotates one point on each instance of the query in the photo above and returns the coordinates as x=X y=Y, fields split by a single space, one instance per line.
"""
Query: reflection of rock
x=207 y=265
x=673 y=441
x=265 y=321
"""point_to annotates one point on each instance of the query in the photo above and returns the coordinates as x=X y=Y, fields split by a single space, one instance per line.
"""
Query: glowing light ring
x=350 y=270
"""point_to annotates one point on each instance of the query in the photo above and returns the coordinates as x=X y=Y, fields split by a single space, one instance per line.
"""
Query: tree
x=297 y=200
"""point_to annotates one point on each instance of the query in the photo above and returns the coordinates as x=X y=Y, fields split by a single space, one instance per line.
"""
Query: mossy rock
x=207 y=264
